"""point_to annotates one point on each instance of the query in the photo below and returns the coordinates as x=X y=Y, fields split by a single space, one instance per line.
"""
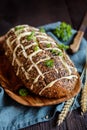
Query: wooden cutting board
x=11 y=84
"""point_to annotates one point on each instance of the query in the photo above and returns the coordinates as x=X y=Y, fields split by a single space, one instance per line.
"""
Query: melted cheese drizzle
x=30 y=45
x=23 y=35
x=53 y=82
x=47 y=42
x=45 y=37
x=14 y=53
x=66 y=65
x=35 y=81
x=13 y=41
x=55 y=69
x=34 y=64
x=17 y=71
x=8 y=43
x=19 y=64
x=50 y=48
x=40 y=35
x=26 y=74
x=41 y=60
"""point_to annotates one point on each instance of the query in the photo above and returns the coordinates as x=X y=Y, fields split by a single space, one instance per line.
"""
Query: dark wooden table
x=40 y=12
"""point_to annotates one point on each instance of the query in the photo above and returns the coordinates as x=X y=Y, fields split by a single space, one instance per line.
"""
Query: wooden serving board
x=11 y=84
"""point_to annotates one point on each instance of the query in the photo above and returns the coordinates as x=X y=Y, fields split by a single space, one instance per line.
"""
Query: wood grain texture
x=74 y=121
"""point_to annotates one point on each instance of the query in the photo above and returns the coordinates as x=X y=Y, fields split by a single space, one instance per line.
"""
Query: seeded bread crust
x=36 y=60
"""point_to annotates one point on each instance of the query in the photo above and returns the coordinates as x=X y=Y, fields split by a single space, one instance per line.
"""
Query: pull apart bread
x=43 y=67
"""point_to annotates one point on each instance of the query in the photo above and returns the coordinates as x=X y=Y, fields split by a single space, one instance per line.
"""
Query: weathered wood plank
x=74 y=121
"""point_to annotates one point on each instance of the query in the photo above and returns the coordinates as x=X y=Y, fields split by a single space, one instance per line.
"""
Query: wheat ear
x=84 y=91
x=65 y=111
x=84 y=96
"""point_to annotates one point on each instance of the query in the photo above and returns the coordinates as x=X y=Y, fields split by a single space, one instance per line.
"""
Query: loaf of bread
x=41 y=64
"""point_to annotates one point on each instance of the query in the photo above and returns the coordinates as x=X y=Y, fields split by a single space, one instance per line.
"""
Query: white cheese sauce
x=46 y=40
x=53 y=82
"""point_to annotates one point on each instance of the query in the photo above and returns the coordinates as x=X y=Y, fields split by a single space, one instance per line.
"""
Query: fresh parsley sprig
x=31 y=36
x=19 y=28
x=56 y=52
x=23 y=92
x=62 y=46
x=48 y=45
x=49 y=63
x=63 y=31
x=36 y=48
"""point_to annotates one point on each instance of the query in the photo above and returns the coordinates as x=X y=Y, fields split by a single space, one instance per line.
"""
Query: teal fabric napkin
x=14 y=116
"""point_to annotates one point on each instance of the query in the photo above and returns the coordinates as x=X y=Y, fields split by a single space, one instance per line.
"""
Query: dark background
x=37 y=13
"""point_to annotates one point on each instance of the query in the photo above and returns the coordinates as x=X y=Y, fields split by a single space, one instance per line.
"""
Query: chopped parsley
x=56 y=52
x=42 y=30
x=31 y=36
x=23 y=92
x=62 y=46
x=60 y=54
x=48 y=45
x=36 y=48
x=19 y=28
x=49 y=63
x=63 y=31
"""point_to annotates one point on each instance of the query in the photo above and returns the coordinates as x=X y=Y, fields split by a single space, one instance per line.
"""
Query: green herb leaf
x=56 y=52
x=42 y=30
x=63 y=31
x=19 y=28
x=23 y=92
x=48 y=45
x=60 y=54
x=62 y=46
x=31 y=36
x=49 y=63
x=36 y=48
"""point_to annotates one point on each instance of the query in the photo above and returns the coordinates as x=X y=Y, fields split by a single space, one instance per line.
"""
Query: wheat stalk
x=84 y=95
x=84 y=91
x=84 y=98
x=65 y=111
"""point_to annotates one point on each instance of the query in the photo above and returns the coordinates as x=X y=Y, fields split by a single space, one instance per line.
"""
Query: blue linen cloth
x=14 y=116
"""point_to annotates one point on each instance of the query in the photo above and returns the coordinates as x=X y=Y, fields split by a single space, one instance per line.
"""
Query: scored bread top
x=39 y=62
